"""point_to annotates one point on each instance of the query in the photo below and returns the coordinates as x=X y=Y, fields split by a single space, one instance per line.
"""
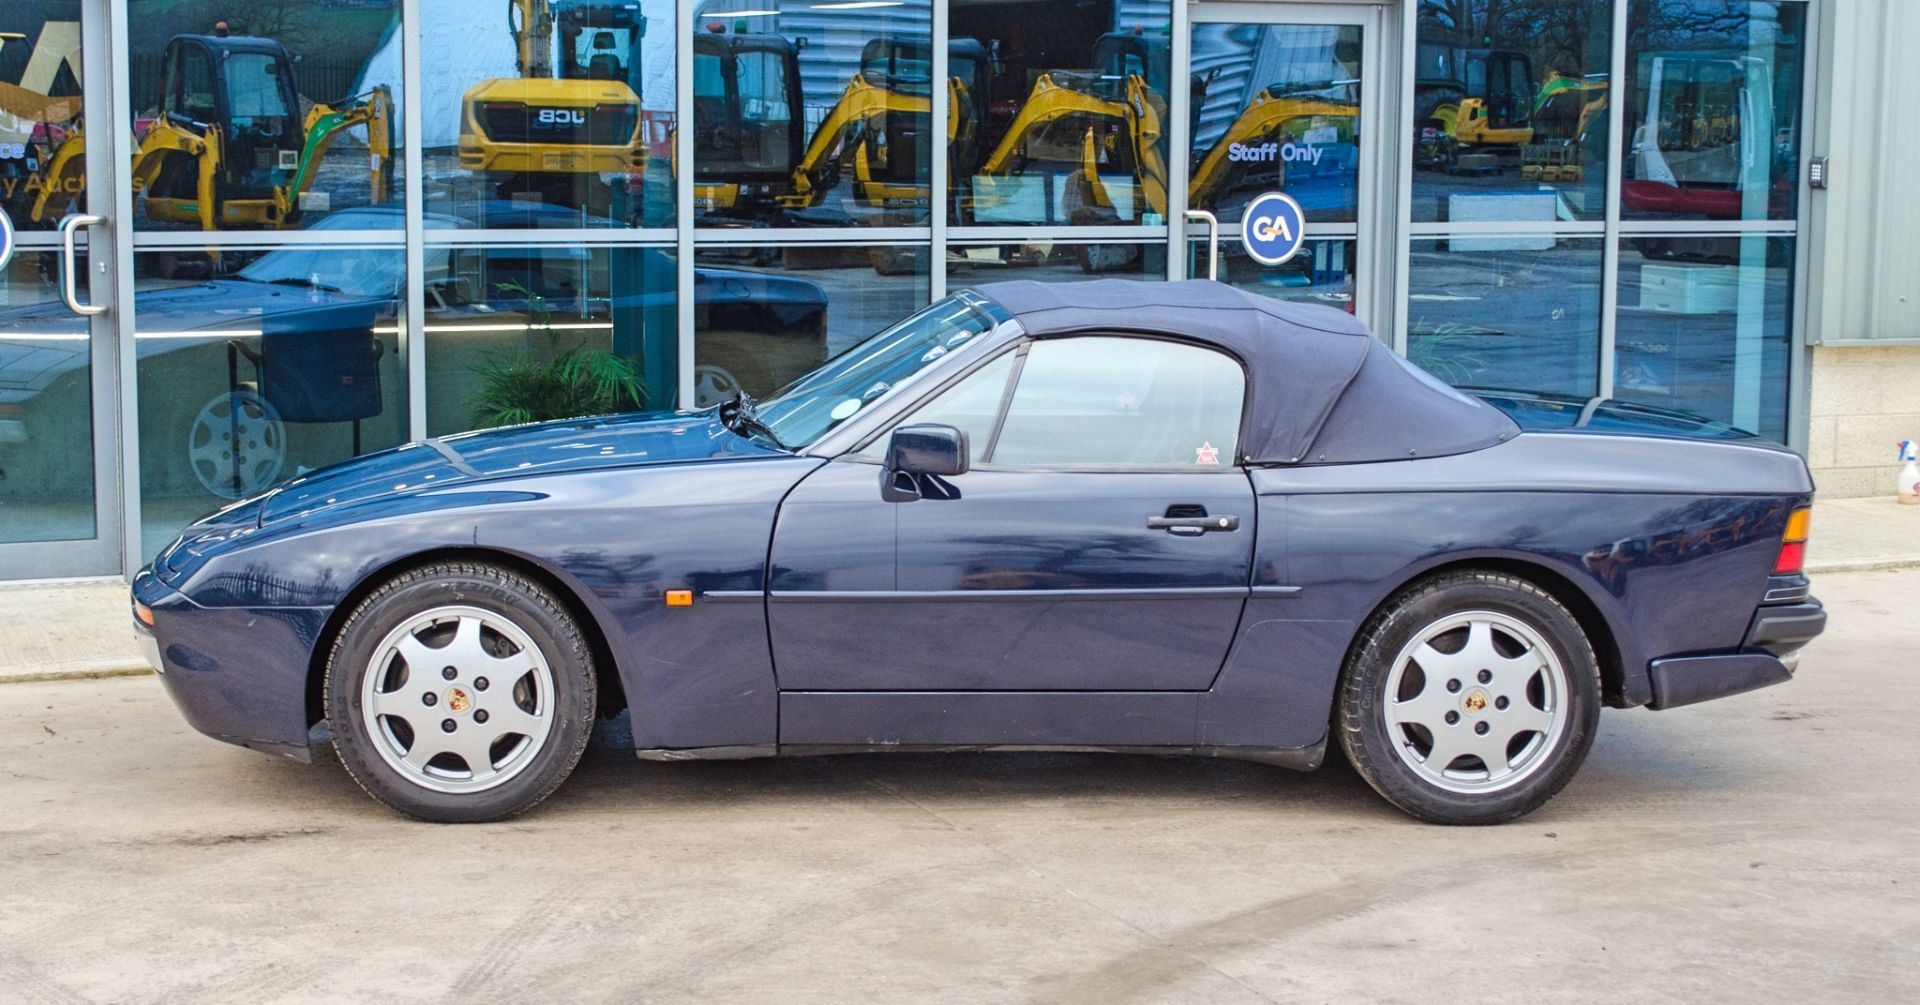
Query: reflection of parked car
x=758 y=332
x=191 y=397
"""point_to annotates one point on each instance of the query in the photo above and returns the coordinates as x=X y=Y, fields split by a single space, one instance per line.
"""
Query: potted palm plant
x=552 y=380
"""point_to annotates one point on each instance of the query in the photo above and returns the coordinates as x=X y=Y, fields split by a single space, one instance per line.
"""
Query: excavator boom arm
x=861 y=102
x=532 y=37
x=1049 y=102
x=324 y=124
x=1262 y=118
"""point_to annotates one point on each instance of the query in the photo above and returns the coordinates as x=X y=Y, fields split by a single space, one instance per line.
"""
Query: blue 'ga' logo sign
x=1273 y=228
x=6 y=240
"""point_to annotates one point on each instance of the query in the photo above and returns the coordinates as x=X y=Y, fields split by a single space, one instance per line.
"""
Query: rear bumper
x=1782 y=629
x=1768 y=656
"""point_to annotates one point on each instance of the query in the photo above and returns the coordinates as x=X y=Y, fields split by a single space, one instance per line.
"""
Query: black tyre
x=1472 y=699
x=460 y=692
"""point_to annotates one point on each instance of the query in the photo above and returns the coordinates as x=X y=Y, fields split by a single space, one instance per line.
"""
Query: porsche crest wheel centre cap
x=1487 y=735
x=432 y=718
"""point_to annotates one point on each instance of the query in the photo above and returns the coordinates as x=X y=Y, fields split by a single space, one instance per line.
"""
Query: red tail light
x=1793 y=544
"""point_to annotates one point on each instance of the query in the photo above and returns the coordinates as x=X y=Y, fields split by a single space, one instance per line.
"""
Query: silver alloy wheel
x=473 y=670
x=713 y=384
x=236 y=430
x=1475 y=701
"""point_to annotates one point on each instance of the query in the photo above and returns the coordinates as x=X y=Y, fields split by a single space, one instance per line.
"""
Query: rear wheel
x=1473 y=699
x=460 y=692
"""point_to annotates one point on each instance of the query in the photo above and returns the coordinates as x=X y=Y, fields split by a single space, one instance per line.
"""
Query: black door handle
x=1191 y=525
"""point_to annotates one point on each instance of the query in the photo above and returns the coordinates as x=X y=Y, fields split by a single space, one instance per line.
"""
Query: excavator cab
x=241 y=88
x=970 y=67
x=897 y=140
x=1503 y=81
x=748 y=120
x=600 y=41
x=1120 y=56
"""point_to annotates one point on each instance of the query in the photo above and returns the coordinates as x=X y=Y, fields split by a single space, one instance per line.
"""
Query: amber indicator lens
x=679 y=598
x=143 y=614
x=1797 y=524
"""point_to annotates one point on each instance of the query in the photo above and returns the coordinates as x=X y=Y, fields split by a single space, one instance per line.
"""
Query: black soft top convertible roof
x=1323 y=389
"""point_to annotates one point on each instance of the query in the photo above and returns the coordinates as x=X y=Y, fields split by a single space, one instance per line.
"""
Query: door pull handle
x=1192 y=525
x=68 y=261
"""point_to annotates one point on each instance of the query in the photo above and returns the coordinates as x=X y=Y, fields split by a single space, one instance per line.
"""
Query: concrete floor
x=1761 y=848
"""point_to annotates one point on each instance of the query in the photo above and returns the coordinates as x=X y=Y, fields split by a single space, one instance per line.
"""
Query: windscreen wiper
x=303 y=283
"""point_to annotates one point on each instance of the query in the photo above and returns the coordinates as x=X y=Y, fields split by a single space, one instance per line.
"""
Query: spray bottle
x=1909 y=475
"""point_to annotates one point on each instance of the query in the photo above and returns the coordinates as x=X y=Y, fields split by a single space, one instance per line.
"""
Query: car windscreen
x=804 y=410
x=374 y=275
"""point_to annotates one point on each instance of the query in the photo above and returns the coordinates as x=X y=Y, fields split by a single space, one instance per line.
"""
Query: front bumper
x=237 y=674
x=1768 y=656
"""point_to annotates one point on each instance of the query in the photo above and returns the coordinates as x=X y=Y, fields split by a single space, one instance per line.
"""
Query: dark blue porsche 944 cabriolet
x=1160 y=517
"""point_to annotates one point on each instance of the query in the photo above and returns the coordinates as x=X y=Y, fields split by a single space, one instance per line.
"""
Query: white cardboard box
x=1689 y=289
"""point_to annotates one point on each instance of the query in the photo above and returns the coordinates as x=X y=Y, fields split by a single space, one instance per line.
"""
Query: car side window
x=971 y=405
x=1104 y=401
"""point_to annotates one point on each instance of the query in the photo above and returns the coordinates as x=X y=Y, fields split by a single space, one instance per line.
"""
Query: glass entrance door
x=1284 y=99
x=59 y=512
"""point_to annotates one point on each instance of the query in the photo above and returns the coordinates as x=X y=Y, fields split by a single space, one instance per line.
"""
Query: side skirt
x=1306 y=758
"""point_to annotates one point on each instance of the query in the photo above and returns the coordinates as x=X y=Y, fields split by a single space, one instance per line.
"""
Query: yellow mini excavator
x=554 y=130
x=231 y=147
x=1472 y=107
x=879 y=129
x=1093 y=127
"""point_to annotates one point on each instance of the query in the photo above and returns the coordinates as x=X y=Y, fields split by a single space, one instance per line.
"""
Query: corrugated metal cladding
x=1864 y=265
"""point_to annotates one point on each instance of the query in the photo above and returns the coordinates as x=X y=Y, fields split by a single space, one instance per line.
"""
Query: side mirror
x=927 y=449
x=918 y=458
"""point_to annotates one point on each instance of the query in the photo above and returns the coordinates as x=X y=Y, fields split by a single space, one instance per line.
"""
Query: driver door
x=1101 y=541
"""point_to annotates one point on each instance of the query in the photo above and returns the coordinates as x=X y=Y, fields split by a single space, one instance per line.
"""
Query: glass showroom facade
x=257 y=238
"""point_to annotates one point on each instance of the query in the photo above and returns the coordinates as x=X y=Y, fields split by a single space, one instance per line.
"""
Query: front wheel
x=460 y=692
x=1472 y=699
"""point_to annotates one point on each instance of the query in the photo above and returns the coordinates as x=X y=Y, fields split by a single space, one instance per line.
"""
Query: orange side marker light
x=679 y=598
